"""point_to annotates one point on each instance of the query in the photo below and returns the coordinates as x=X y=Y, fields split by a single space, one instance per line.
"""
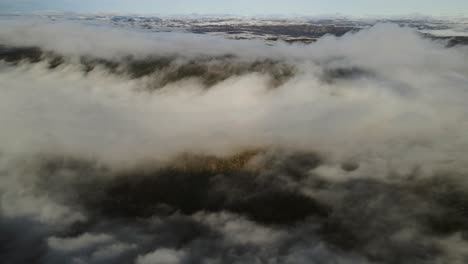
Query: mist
x=119 y=146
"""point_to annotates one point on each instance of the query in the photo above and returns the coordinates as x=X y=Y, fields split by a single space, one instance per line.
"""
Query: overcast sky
x=246 y=7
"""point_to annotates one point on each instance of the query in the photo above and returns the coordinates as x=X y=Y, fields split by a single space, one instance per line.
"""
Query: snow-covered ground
x=291 y=29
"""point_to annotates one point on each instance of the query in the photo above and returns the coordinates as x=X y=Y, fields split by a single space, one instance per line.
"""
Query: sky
x=245 y=7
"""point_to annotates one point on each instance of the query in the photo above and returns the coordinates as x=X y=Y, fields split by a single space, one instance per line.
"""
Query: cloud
x=118 y=147
x=241 y=108
x=162 y=256
x=87 y=248
x=80 y=243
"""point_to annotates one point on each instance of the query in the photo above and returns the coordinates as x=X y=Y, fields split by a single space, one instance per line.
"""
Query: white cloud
x=161 y=256
x=384 y=99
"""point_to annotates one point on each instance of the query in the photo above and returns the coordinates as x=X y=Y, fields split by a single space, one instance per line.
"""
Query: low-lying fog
x=127 y=147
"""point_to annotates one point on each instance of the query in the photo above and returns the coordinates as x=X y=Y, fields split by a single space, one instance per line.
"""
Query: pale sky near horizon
x=246 y=7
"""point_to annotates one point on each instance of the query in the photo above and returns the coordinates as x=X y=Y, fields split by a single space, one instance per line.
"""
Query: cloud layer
x=119 y=147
